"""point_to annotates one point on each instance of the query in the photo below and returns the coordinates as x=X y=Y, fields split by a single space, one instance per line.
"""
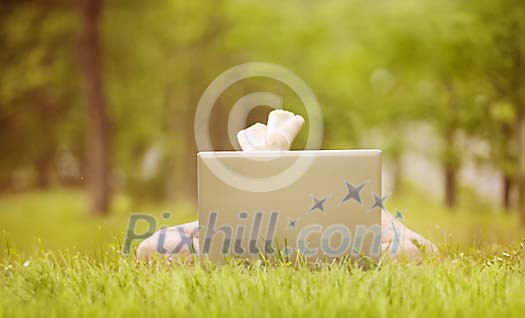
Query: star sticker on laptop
x=399 y=214
x=379 y=202
x=292 y=223
x=318 y=204
x=353 y=192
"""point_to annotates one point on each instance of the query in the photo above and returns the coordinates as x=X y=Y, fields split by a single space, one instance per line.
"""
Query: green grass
x=58 y=262
x=58 y=220
x=65 y=285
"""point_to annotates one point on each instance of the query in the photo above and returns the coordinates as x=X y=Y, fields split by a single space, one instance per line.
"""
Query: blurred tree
x=499 y=130
x=35 y=88
x=99 y=135
x=504 y=66
x=376 y=67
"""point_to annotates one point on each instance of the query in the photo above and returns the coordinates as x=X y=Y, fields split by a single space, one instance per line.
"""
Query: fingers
x=398 y=240
x=144 y=250
x=180 y=240
x=190 y=228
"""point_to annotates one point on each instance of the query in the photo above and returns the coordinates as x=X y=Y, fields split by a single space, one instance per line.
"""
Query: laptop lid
x=318 y=204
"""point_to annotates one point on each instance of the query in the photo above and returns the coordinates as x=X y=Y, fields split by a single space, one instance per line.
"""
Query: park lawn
x=71 y=284
x=56 y=261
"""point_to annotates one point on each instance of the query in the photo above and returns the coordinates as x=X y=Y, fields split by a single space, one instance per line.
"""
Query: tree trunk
x=190 y=155
x=521 y=166
x=450 y=185
x=451 y=153
x=507 y=187
x=398 y=171
x=43 y=177
x=99 y=136
x=518 y=97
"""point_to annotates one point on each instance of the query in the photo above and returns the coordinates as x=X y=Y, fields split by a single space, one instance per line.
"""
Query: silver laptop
x=316 y=205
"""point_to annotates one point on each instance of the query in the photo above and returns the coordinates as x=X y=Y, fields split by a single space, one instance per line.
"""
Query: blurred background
x=97 y=101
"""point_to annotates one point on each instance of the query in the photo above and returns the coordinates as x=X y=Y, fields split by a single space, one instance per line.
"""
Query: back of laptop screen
x=311 y=204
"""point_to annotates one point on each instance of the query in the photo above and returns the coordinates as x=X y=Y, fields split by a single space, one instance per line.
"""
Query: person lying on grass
x=278 y=134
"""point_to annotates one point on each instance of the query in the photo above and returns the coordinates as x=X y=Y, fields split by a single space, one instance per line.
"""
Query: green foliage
x=375 y=66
